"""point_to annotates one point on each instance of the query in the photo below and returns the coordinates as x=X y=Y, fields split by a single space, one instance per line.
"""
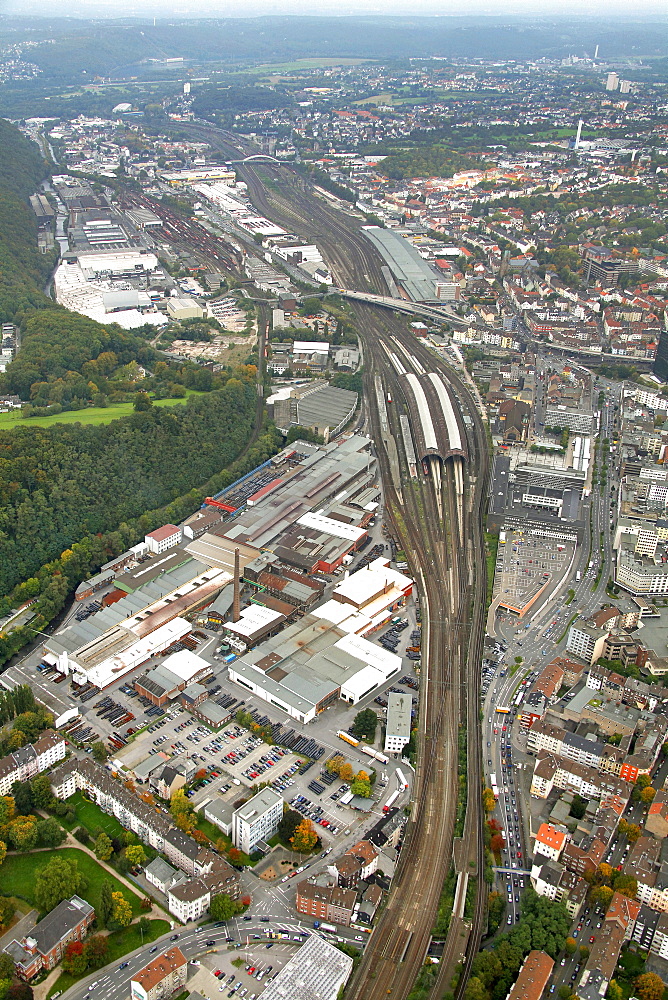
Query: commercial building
x=44 y=947
x=316 y=971
x=163 y=538
x=398 y=723
x=160 y=978
x=257 y=820
x=164 y=682
x=30 y=760
x=586 y=641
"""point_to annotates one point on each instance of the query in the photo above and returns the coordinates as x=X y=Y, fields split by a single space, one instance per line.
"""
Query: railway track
x=442 y=536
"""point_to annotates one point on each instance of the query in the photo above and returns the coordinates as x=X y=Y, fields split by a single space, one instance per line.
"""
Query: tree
x=364 y=724
x=346 y=773
x=122 y=911
x=6 y=913
x=304 y=838
x=488 y=800
x=7 y=810
x=42 y=795
x=497 y=843
x=614 y=991
x=235 y=856
x=142 y=402
x=103 y=847
x=288 y=824
x=570 y=946
x=145 y=903
x=6 y=966
x=106 y=907
x=135 y=854
x=361 y=785
x=74 y=960
x=23 y=832
x=222 y=907
x=20 y=991
x=475 y=990
x=99 y=751
x=626 y=885
x=3 y=851
x=95 y=949
x=647 y=795
x=334 y=764
x=22 y=795
x=57 y=880
x=50 y=832
x=584 y=953
x=602 y=896
x=578 y=807
x=179 y=804
x=184 y=821
x=649 y=986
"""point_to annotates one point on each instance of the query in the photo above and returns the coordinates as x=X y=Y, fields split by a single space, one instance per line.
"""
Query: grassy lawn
x=91 y=817
x=491 y=547
x=19 y=870
x=120 y=943
x=91 y=415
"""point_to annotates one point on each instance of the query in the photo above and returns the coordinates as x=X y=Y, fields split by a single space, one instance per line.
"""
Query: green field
x=91 y=817
x=91 y=415
x=120 y=943
x=19 y=870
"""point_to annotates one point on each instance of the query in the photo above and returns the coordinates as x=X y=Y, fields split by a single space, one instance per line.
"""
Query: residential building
x=160 y=978
x=256 y=820
x=212 y=873
x=359 y=862
x=604 y=951
x=44 y=947
x=30 y=760
x=657 y=817
x=550 y=841
x=533 y=977
x=329 y=902
x=398 y=723
x=585 y=641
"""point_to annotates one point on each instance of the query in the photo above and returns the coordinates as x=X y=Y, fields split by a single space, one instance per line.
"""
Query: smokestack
x=577 y=137
x=236 y=613
x=596 y=52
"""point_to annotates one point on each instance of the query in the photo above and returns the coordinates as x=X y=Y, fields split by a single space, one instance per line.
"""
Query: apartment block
x=162 y=977
x=257 y=820
x=330 y=902
x=31 y=760
x=44 y=947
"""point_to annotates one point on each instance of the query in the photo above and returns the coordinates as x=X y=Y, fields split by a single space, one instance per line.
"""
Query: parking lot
x=258 y=960
x=527 y=564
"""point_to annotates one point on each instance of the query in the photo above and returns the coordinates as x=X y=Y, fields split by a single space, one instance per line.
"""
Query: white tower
x=596 y=52
x=186 y=88
x=577 y=137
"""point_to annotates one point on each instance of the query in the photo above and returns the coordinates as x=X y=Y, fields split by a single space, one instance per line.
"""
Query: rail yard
x=432 y=451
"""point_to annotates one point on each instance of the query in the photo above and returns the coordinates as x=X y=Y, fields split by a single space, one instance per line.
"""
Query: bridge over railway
x=440 y=314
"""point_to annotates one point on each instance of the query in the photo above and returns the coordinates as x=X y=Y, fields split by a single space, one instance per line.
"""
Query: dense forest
x=72 y=495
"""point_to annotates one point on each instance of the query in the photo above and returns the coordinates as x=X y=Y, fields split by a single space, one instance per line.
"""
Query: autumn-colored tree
x=488 y=800
x=7 y=810
x=570 y=945
x=3 y=851
x=626 y=885
x=74 y=960
x=346 y=772
x=199 y=836
x=649 y=986
x=602 y=896
x=23 y=832
x=201 y=774
x=235 y=855
x=184 y=821
x=95 y=949
x=135 y=854
x=179 y=803
x=614 y=991
x=221 y=845
x=147 y=798
x=646 y=796
x=245 y=901
x=497 y=843
x=122 y=912
x=305 y=838
x=335 y=764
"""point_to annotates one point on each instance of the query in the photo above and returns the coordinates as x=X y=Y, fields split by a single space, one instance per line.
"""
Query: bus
x=519 y=698
x=348 y=738
x=503 y=710
x=493 y=785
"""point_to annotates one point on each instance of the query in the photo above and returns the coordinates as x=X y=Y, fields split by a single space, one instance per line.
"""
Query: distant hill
x=78 y=50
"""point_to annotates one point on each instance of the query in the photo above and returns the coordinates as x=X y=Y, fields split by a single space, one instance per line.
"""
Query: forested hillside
x=72 y=495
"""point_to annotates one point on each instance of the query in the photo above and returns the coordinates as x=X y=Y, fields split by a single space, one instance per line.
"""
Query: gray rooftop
x=414 y=274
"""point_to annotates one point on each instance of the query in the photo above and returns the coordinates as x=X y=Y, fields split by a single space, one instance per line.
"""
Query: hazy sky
x=242 y=8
